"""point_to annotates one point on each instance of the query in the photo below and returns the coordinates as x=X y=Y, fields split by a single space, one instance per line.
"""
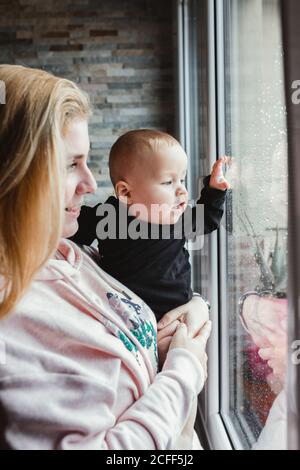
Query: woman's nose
x=87 y=184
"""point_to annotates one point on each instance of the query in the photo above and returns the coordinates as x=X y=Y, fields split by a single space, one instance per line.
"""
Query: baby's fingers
x=217 y=179
x=221 y=161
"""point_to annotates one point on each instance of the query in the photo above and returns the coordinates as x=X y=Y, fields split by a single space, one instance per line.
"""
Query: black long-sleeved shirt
x=157 y=270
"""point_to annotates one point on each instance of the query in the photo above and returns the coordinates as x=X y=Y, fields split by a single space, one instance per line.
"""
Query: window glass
x=256 y=235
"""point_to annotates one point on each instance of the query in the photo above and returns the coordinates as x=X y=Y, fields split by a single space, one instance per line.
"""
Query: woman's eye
x=73 y=165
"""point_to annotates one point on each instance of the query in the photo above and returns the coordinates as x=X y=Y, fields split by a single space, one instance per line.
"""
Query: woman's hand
x=194 y=314
x=164 y=339
x=276 y=357
x=195 y=345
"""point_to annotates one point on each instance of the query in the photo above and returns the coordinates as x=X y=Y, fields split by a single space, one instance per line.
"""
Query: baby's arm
x=213 y=197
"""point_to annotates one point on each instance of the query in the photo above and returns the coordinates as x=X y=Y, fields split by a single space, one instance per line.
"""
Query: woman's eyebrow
x=76 y=157
x=79 y=156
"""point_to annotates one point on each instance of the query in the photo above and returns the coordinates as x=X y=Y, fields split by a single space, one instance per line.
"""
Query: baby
x=148 y=170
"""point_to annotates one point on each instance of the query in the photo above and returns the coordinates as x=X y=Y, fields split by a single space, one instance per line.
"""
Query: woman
x=81 y=359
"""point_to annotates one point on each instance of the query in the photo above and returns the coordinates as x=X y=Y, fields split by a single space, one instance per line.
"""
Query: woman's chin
x=70 y=229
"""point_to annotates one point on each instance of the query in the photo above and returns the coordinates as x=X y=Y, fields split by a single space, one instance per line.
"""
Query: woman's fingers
x=195 y=326
x=169 y=330
x=163 y=348
x=181 y=332
x=163 y=345
x=204 y=333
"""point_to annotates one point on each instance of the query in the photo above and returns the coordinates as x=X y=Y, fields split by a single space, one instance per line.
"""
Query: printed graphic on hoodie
x=143 y=330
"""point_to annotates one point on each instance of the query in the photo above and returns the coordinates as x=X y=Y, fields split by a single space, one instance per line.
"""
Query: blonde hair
x=38 y=109
x=128 y=151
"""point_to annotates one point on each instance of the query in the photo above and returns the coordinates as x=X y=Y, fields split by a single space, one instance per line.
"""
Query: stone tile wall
x=120 y=51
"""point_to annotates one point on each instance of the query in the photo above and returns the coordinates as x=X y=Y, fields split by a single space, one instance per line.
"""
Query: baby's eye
x=167 y=182
x=182 y=181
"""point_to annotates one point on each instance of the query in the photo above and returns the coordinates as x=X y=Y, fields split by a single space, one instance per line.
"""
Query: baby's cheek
x=160 y=214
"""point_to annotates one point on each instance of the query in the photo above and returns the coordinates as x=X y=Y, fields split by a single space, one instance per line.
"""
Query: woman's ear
x=123 y=192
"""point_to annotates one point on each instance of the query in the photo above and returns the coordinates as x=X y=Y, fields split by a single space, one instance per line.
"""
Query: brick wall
x=120 y=51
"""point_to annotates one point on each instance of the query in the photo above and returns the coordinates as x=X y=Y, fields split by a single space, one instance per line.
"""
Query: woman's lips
x=73 y=211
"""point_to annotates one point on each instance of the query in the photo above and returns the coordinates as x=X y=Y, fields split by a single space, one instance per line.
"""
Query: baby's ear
x=123 y=192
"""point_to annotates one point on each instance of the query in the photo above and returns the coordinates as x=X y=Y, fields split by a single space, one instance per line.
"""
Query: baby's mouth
x=181 y=205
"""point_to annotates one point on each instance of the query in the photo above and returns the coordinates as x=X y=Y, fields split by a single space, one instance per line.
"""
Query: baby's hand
x=217 y=180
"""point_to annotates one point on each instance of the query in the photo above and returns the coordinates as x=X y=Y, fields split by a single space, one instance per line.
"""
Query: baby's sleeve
x=213 y=201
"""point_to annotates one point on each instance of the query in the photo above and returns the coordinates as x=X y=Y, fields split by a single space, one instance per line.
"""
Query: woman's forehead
x=76 y=138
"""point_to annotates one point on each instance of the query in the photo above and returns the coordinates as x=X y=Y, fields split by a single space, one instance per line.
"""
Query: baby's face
x=158 y=186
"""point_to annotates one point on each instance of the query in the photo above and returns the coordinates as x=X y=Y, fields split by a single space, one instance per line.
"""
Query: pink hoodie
x=81 y=365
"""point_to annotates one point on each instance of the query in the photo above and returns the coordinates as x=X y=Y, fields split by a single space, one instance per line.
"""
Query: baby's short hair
x=129 y=149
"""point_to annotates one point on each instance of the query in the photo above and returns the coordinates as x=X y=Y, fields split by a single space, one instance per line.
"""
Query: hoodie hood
x=66 y=261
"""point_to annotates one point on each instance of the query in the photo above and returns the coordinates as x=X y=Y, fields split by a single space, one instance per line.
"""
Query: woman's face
x=79 y=180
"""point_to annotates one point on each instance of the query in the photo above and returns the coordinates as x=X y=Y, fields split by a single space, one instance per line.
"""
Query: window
x=237 y=108
x=256 y=242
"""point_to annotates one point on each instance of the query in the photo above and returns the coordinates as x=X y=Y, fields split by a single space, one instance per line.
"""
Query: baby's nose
x=181 y=189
